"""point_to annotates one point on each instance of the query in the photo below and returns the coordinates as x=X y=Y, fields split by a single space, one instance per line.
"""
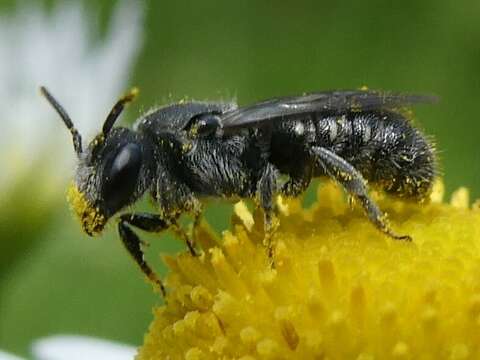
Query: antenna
x=77 y=138
x=117 y=110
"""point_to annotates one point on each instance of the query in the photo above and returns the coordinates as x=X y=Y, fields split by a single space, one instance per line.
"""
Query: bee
x=189 y=151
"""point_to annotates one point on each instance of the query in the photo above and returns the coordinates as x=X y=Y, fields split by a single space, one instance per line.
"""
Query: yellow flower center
x=339 y=290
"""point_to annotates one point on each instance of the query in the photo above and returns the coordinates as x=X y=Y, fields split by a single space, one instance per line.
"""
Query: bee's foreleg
x=266 y=191
x=156 y=223
x=197 y=219
x=133 y=244
x=181 y=233
x=354 y=183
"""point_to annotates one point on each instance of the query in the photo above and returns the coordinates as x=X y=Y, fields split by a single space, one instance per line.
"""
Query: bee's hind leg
x=354 y=183
x=266 y=191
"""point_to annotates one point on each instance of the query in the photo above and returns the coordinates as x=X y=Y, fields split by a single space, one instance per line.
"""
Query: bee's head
x=113 y=171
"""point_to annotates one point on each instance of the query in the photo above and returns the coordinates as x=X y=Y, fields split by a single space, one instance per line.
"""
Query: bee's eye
x=120 y=176
x=208 y=124
x=204 y=124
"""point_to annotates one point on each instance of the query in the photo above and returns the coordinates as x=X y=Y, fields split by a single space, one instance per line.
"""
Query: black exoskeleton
x=188 y=151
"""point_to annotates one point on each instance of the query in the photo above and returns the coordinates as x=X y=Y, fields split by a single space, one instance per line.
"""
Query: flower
x=63 y=347
x=7 y=356
x=58 y=48
x=339 y=289
x=71 y=347
x=86 y=74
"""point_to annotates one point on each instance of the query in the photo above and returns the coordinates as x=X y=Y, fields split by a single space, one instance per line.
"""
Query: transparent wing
x=337 y=101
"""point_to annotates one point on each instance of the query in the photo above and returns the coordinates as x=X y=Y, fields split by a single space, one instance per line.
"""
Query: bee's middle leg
x=298 y=181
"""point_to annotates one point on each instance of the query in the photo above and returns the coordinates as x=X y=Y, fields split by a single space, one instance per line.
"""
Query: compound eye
x=120 y=177
x=204 y=124
x=209 y=124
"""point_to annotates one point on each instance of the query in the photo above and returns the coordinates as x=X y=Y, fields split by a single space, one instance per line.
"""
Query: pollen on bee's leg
x=271 y=224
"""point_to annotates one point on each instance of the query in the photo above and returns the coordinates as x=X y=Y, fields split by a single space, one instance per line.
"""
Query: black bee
x=188 y=151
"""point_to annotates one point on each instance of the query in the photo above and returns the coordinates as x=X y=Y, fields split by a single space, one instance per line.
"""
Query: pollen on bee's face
x=92 y=220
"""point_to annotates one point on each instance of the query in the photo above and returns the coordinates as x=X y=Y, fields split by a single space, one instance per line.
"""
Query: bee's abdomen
x=388 y=151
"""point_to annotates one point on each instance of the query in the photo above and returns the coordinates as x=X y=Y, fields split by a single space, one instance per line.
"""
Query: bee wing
x=321 y=102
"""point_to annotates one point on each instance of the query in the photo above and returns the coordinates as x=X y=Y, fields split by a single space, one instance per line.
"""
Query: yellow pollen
x=339 y=289
x=91 y=219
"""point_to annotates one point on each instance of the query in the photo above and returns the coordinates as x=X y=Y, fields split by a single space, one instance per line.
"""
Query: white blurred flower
x=86 y=74
x=7 y=356
x=70 y=347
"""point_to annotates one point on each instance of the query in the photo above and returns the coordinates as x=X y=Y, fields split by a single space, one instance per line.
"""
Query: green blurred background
x=54 y=279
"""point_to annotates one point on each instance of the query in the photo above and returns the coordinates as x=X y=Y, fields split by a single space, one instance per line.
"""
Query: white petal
x=5 y=356
x=70 y=347
x=87 y=75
